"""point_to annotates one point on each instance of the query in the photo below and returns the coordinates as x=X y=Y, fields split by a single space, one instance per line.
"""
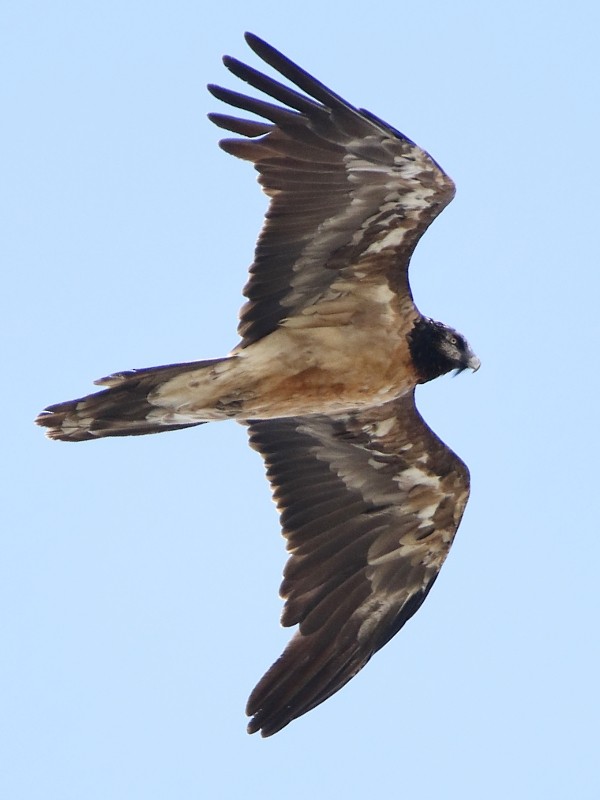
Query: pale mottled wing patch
x=350 y=195
x=369 y=503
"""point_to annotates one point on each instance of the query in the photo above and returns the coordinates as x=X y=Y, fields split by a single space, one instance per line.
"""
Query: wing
x=350 y=195
x=369 y=505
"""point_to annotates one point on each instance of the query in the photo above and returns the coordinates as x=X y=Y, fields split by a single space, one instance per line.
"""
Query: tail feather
x=123 y=409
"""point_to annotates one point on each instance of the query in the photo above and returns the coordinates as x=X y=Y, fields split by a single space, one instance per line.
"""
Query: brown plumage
x=332 y=347
x=369 y=503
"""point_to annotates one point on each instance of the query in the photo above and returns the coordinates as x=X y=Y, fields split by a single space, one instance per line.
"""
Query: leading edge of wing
x=369 y=505
x=347 y=190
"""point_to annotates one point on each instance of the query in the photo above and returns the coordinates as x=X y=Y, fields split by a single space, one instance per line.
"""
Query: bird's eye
x=453 y=340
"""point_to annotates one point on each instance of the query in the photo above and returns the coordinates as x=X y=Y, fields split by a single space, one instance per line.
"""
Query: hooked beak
x=471 y=362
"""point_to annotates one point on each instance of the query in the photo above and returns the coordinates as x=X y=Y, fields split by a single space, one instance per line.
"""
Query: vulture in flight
x=332 y=348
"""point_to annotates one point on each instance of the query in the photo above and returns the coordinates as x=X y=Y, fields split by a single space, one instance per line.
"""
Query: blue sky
x=139 y=577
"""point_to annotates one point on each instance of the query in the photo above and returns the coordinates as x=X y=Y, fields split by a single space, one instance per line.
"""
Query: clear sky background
x=139 y=577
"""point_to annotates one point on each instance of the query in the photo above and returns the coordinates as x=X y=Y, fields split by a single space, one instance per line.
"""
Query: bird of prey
x=332 y=348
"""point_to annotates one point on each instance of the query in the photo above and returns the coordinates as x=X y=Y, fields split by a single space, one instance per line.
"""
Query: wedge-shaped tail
x=129 y=407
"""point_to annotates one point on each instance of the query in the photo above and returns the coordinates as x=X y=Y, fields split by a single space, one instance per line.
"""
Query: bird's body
x=332 y=349
x=294 y=372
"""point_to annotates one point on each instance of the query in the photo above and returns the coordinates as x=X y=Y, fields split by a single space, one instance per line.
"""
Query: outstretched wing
x=350 y=195
x=369 y=503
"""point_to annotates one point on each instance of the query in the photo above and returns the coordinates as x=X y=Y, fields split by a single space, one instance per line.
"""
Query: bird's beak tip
x=474 y=363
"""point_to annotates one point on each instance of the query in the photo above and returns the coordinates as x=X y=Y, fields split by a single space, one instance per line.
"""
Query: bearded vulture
x=332 y=348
